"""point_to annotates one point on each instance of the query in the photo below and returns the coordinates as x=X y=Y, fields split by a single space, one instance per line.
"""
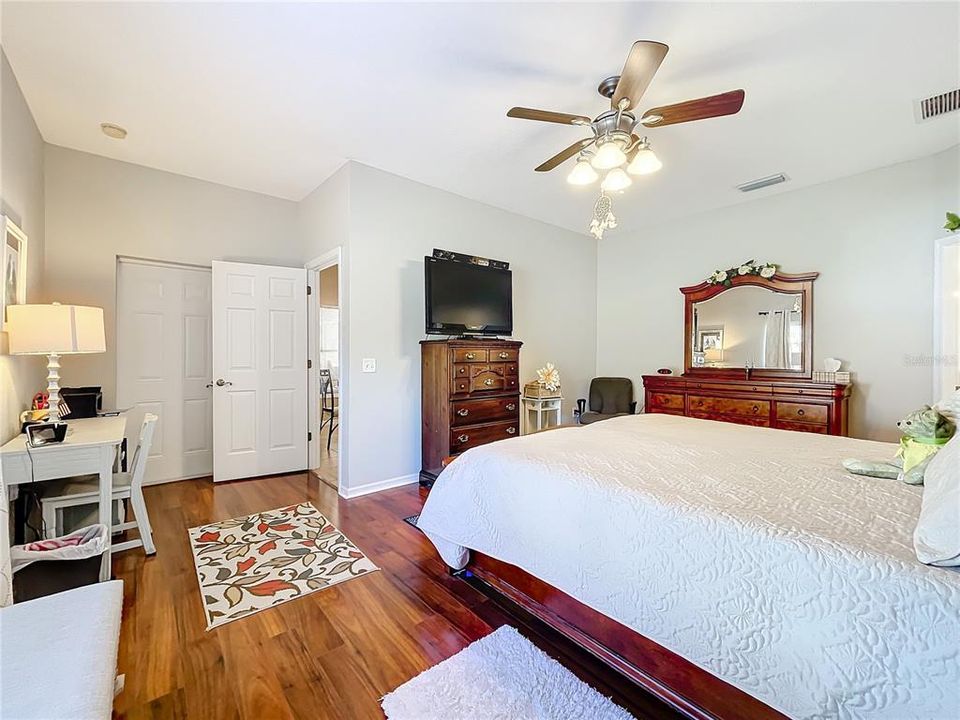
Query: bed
x=731 y=570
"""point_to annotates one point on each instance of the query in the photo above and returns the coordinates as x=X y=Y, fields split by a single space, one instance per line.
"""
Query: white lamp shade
x=59 y=329
x=645 y=162
x=616 y=180
x=608 y=155
x=582 y=174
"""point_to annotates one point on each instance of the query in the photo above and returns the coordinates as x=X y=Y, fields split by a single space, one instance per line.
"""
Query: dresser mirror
x=750 y=326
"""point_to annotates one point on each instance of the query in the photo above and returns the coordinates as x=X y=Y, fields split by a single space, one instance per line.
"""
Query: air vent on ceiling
x=937 y=105
x=762 y=182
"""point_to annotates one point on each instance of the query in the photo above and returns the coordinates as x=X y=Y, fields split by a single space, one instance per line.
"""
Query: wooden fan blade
x=642 y=64
x=548 y=116
x=564 y=154
x=728 y=103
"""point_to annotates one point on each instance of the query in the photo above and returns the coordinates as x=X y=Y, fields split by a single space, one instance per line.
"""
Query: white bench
x=58 y=654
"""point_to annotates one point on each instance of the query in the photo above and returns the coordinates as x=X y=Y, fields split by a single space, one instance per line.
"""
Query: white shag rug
x=500 y=677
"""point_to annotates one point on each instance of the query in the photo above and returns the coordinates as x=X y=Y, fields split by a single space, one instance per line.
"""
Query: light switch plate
x=368 y=365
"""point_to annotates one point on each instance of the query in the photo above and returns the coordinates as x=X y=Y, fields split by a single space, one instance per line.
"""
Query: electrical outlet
x=368 y=365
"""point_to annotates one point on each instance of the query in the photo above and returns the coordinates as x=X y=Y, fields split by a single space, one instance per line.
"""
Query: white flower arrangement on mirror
x=549 y=377
x=750 y=267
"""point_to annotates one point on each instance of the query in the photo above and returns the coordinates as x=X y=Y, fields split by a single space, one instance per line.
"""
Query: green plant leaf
x=953 y=222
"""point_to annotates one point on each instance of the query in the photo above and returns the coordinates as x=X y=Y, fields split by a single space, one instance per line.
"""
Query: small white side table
x=538 y=411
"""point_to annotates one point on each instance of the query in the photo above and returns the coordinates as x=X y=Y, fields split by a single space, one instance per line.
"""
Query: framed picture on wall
x=13 y=264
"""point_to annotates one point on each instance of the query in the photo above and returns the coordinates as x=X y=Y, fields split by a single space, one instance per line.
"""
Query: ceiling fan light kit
x=614 y=140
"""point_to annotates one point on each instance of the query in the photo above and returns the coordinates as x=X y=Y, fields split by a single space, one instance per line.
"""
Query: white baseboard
x=378 y=486
x=173 y=480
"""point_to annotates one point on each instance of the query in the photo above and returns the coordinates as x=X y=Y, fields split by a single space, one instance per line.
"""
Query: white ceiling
x=275 y=97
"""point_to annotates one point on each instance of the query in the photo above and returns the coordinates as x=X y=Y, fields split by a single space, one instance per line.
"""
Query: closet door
x=163 y=364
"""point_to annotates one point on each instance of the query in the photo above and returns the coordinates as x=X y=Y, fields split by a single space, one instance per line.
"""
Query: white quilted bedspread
x=748 y=551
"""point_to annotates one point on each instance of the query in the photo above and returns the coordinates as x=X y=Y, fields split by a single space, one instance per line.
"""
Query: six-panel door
x=259 y=370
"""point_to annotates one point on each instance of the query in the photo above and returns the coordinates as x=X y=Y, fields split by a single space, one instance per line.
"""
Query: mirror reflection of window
x=749 y=325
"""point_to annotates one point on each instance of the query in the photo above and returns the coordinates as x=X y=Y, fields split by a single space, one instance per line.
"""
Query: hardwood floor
x=332 y=654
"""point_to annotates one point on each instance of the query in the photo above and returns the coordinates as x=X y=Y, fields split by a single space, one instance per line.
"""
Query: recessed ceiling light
x=113 y=131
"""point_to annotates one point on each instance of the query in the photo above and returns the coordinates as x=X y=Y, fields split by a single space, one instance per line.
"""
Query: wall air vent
x=762 y=182
x=937 y=105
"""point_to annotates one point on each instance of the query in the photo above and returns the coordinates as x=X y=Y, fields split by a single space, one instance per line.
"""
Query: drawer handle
x=470 y=356
x=511 y=430
x=800 y=412
x=800 y=392
x=488 y=381
x=463 y=438
x=511 y=406
x=699 y=402
x=462 y=370
x=463 y=412
x=504 y=356
x=756 y=408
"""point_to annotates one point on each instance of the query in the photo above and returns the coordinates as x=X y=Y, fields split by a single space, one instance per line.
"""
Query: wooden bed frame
x=664 y=674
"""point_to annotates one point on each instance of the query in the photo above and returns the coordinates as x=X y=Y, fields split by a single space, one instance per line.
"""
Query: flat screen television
x=463 y=298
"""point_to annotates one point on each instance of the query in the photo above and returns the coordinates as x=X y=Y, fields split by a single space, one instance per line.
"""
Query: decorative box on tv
x=536 y=390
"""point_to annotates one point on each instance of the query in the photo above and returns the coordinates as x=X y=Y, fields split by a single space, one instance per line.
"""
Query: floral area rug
x=252 y=563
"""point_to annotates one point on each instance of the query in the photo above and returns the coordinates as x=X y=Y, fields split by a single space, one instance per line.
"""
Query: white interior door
x=259 y=370
x=163 y=364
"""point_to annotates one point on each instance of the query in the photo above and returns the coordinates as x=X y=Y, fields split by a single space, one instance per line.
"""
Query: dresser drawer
x=755 y=421
x=504 y=355
x=729 y=406
x=469 y=355
x=758 y=388
x=803 y=427
x=665 y=401
x=463 y=370
x=487 y=380
x=473 y=412
x=467 y=437
x=460 y=386
x=803 y=413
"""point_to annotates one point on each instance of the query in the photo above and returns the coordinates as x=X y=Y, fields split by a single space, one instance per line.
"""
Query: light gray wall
x=98 y=208
x=21 y=199
x=871 y=237
x=395 y=222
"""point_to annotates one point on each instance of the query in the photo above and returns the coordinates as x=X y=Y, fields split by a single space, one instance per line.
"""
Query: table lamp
x=55 y=330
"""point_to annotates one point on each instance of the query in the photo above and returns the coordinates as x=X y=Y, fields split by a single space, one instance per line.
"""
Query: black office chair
x=328 y=406
x=609 y=397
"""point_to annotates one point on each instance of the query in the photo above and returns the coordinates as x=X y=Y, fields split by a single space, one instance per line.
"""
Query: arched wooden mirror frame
x=801 y=284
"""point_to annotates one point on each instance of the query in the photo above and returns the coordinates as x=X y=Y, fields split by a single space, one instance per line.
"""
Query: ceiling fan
x=615 y=141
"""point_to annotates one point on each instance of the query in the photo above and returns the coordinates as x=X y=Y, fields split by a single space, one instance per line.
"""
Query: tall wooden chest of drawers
x=798 y=405
x=470 y=395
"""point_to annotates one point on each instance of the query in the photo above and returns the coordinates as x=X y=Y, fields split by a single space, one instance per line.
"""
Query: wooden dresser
x=786 y=404
x=470 y=395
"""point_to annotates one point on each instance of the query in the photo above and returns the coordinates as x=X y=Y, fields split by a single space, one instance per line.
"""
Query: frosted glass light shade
x=582 y=174
x=55 y=329
x=616 y=180
x=645 y=162
x=608 y=155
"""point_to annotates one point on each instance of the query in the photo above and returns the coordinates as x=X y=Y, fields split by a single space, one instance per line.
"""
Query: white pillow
x=950 y=406
x=937 y=537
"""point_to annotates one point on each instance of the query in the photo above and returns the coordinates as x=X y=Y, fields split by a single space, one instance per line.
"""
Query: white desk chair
x=84 y=491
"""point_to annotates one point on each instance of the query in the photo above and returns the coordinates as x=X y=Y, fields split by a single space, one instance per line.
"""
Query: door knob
x=209 y=385
x=221 y=382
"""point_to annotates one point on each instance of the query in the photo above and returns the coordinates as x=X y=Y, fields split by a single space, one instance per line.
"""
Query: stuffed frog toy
x=925 y=431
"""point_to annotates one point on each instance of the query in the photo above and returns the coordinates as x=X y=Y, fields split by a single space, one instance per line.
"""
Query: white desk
x=90 y=448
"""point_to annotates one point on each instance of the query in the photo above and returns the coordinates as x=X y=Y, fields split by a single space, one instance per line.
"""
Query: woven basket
x=536 y=390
